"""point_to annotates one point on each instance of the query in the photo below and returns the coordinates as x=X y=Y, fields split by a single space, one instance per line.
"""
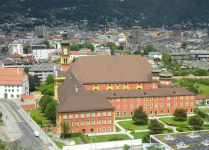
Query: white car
x=36 y=133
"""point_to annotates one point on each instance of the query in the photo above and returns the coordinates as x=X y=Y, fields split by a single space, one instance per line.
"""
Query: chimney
x=18 y=71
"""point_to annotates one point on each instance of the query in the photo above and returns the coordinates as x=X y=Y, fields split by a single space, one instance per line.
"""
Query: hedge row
x=69 y=135
x=37 y=120
x=83 y=137
x=79 y=134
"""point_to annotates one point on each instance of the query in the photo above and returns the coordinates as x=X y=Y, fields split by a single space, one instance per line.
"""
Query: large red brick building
x=96 y=89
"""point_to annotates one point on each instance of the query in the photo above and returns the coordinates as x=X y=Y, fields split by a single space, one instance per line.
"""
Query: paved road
x=28 y=140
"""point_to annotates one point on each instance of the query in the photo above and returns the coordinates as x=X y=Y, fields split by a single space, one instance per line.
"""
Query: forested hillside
x=148 y=12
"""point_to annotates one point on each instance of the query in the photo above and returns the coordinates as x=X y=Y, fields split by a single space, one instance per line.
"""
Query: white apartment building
x=42 y=53
x=15 y=48
x=13 y=83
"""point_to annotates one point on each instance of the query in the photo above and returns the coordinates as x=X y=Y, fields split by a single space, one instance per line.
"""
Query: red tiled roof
x=10 y=76
x=16 y=55
x=202 y=96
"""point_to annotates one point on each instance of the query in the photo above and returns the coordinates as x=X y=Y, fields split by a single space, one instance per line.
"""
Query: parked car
x=36 y=133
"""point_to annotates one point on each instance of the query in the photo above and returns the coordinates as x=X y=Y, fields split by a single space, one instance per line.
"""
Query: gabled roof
x=73 y=100
x=16 y=55
x=11 y=76
x=111 y=69
x=202 y=96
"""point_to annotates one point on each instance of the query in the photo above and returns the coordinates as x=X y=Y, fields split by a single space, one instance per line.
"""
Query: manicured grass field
x=139 y=135
x=205 y=89
x=171 y=120
x=122 y=118
x=117 y=129
x=59 y=144
x=105 y=138
x=38 y=113
x=1 y=122
x=75 y=139
x=130 y=124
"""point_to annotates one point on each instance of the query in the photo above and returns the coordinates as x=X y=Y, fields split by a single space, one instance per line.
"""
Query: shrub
x=169 y=130
x=39 y=121
x=83 y=137
x=201 y=113
x=132 y=132
x=69 y=135
x=129 y=129
x=34 y=117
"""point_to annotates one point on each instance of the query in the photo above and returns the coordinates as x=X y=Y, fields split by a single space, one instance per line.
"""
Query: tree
x=156 y=60
x=112 y=52
x=149 y=48
x=36 y=81
x=155 y=126
x=73 y=46
x=40 y=36
x=180 y=114
x=49 y=79
x=196 y=121
x=146 y=138
x=46 y=89
x=26 y=69
x=26 y=48
x=31 y=83
x=46 y=99
x=166 y=58
x=126 y=147
x=140 y=117
x=120 y=47
x=2 y=144
x=202 y=72
x=57 y=60
x=15 y=146
x=184 y=45
x=88 y=45
x=74 y=59
x=50 y=111
x=128 y=52
x=65 y=127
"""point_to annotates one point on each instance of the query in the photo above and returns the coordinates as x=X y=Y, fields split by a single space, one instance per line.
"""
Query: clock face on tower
x=65 y=51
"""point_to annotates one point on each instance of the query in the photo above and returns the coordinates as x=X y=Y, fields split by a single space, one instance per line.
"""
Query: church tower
x=65 y=53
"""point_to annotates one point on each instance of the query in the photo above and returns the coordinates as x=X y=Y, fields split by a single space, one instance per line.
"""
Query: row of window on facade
x=93 y=114
x=12 y=90
x=11 y=86
x=151 y=98
x=13 y=96
x=92 y=130
x=151 y=112
x=125 y=84
x=156 y=105
x=87 y=123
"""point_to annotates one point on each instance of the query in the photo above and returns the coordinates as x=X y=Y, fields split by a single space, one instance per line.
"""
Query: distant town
x=134 y=89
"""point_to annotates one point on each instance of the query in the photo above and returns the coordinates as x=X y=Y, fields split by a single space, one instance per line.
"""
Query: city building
x=42 y=70
x=177 y=29
x=96 y=89
x=13 y=83
x=15 y=48
x=36 y=47
x=40 y=30
x=42 y=54
x=155 y=55
x=54 y=56
x=102 y=49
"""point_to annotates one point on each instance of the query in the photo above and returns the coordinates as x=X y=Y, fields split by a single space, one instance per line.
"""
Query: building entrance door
x=5 y=95
x=155 y=112
x=84 y=131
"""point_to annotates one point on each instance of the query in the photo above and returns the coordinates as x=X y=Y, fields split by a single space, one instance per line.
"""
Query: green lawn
x=204 y=89
x=129 y=124
x=39 y=114
x=117 y=129
x=105 y=138
x=122 y=118
x=75 y=139
x=1 y=122
x=139 y=135
x=171 y=120
x=59 y=144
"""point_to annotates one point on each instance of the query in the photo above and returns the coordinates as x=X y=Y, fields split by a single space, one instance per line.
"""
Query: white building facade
x=42 y=53
x=13 y=89
x=15 y=48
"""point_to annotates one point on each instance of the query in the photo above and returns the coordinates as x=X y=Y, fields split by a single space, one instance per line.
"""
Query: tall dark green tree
x=155 y=126
x=195 y=121
x=140 y=117
x=26 y=69
x=180 y=114
x=49 y=79
x=44 y=101
x=50 y=111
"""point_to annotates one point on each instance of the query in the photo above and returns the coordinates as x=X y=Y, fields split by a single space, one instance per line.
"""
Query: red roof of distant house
x=11 y=76
x=202 y=96
x=16 y=55
x=25 y=44
x=7 y=60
